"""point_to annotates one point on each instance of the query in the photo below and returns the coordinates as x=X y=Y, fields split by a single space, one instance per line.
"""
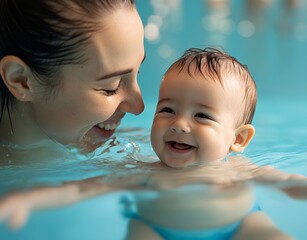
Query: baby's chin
x=178 y=163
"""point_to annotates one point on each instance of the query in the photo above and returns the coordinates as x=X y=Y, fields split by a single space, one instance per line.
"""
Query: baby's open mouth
x=180 y=146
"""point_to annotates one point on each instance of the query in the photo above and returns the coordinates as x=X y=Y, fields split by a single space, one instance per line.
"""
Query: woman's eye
x=110 y=92
x=167 y=110
x=203 y=116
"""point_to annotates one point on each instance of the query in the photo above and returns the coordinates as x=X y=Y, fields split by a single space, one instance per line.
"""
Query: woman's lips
x=103 y=132
x=106 y=130
x=100 y=132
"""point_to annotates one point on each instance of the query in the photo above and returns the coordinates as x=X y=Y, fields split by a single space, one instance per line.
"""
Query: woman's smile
x=106 y=130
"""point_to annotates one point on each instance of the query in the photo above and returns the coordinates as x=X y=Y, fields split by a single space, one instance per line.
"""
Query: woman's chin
x=94 y=139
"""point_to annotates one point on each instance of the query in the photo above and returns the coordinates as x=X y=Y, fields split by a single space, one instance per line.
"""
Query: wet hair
x=47 y=34
x=214 y=64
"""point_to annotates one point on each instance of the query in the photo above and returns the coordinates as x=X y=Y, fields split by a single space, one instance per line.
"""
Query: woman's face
x=93 y=97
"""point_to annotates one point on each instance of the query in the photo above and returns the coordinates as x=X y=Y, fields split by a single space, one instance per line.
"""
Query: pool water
x=277 y=142
x=271 y=40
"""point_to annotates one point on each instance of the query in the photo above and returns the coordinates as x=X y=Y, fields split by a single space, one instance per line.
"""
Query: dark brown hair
x=47 y=34
x=213 y=63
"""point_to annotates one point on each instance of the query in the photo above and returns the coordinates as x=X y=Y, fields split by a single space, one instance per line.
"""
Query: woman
x=68 y=71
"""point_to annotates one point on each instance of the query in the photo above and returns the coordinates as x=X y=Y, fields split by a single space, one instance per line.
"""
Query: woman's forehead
x=120 y=44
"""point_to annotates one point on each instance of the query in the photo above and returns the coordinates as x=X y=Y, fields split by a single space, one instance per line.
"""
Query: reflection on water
x=67 y=163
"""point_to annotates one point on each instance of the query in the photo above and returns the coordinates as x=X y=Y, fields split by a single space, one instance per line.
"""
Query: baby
x=206 y=105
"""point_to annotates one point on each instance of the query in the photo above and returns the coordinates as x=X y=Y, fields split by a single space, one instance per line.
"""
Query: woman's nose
x=180 y=126
x=133 y=102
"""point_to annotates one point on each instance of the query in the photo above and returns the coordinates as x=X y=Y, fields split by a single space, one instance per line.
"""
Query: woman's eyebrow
x=115 y=74
x=119 y=73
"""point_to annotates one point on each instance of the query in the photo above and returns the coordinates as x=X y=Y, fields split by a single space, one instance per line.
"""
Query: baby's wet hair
x=213 y=64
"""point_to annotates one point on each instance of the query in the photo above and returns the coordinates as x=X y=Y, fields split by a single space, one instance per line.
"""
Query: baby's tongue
x=180 y=146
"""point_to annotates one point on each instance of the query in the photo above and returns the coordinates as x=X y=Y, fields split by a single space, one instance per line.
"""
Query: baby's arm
x=294 y=185
x=17 y=206
x=258 y=226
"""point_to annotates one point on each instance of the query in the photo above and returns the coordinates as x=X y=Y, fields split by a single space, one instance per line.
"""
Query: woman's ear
x=244 y=135
x=16 y=75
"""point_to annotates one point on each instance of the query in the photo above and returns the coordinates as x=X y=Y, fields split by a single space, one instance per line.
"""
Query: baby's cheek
x=156 y=142
x=212 y=146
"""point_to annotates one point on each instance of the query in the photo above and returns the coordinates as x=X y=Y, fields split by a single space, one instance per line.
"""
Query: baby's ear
x=15 y=75
x=244 y=135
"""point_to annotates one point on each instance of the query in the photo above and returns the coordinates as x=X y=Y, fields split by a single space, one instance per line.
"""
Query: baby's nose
x=180 y=126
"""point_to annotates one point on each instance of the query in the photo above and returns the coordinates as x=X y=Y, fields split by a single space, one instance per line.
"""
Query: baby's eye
x=167 y=110
x=203 y=116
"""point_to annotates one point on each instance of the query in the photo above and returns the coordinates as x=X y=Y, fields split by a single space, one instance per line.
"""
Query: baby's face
x=195 y=119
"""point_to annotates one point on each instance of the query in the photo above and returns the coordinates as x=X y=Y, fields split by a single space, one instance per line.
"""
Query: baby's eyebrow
x=209 y=108
x=164 y=100
x=205 y=106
